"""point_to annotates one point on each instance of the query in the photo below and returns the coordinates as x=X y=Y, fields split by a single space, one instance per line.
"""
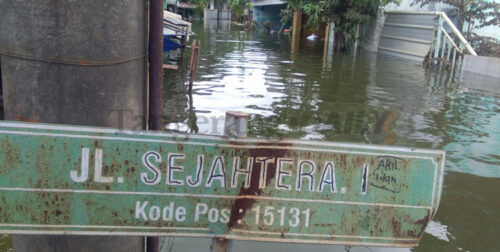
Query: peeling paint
x=129 y=185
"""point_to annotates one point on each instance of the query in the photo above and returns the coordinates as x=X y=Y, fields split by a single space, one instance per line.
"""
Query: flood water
x=364 y=98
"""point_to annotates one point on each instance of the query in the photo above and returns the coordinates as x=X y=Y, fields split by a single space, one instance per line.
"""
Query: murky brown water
x=366 y=98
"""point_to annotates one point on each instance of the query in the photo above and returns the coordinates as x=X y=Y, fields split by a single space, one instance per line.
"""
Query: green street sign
x=58 y=179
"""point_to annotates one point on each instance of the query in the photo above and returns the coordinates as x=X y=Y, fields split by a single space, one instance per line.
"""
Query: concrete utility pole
x=80 y=63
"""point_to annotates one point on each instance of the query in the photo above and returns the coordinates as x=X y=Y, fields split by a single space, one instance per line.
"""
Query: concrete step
x=405 y=45
x=408 y=35
x=424 y=18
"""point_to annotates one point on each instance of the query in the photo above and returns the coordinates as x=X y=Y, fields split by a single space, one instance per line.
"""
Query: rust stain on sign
x=81 y=180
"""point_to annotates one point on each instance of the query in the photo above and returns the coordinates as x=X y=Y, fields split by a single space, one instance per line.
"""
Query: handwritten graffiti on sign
x=81 y=180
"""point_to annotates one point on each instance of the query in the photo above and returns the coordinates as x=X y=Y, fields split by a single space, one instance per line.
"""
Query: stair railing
x=445 y=50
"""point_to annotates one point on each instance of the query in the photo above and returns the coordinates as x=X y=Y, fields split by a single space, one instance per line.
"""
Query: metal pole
x=236 y=125
x=453 y=61
x=155 y=64
x=443 y=47
x=155 y=80
x=448 y=55
x=459 y=64
x=438 y=37
x=193 y=64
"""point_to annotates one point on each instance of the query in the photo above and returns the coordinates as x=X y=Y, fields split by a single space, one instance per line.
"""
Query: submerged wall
x=480 y=72
x=483 y=65
x=217 y=14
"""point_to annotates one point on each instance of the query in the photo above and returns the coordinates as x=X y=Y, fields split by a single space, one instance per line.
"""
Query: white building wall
x=406 y=5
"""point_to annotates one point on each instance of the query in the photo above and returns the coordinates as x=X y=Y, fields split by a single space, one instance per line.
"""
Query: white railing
x=445 y=50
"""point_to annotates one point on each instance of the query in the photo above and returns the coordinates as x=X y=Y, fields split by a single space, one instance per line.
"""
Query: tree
x=238 y=7
x=200 y=3
x=205 y=3
x=345 y=14
x=471 y=15
x=484 y=45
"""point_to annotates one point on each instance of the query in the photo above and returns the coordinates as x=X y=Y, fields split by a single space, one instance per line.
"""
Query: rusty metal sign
x=82 y=180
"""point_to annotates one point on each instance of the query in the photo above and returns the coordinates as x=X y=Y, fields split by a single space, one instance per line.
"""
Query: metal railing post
x=453 y=60
x=449 y=51
x=459 y=63
x=457 y=33
x=443 y=47
x=437 y=42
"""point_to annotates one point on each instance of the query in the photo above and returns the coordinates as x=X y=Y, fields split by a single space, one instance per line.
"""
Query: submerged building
x=266 y=14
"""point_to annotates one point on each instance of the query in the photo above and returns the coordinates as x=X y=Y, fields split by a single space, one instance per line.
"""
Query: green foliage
x=474 y=14
x=220 y=3
x=485 y=46
x=484 y=14
x=286 y=15
x=205 y=3
x=314 y=12
x=477 y=13
x=200 y=3
x=346 y=14
x=238 y=7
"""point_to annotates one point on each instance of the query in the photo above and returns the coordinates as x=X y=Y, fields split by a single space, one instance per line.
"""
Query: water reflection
x=365 y=99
